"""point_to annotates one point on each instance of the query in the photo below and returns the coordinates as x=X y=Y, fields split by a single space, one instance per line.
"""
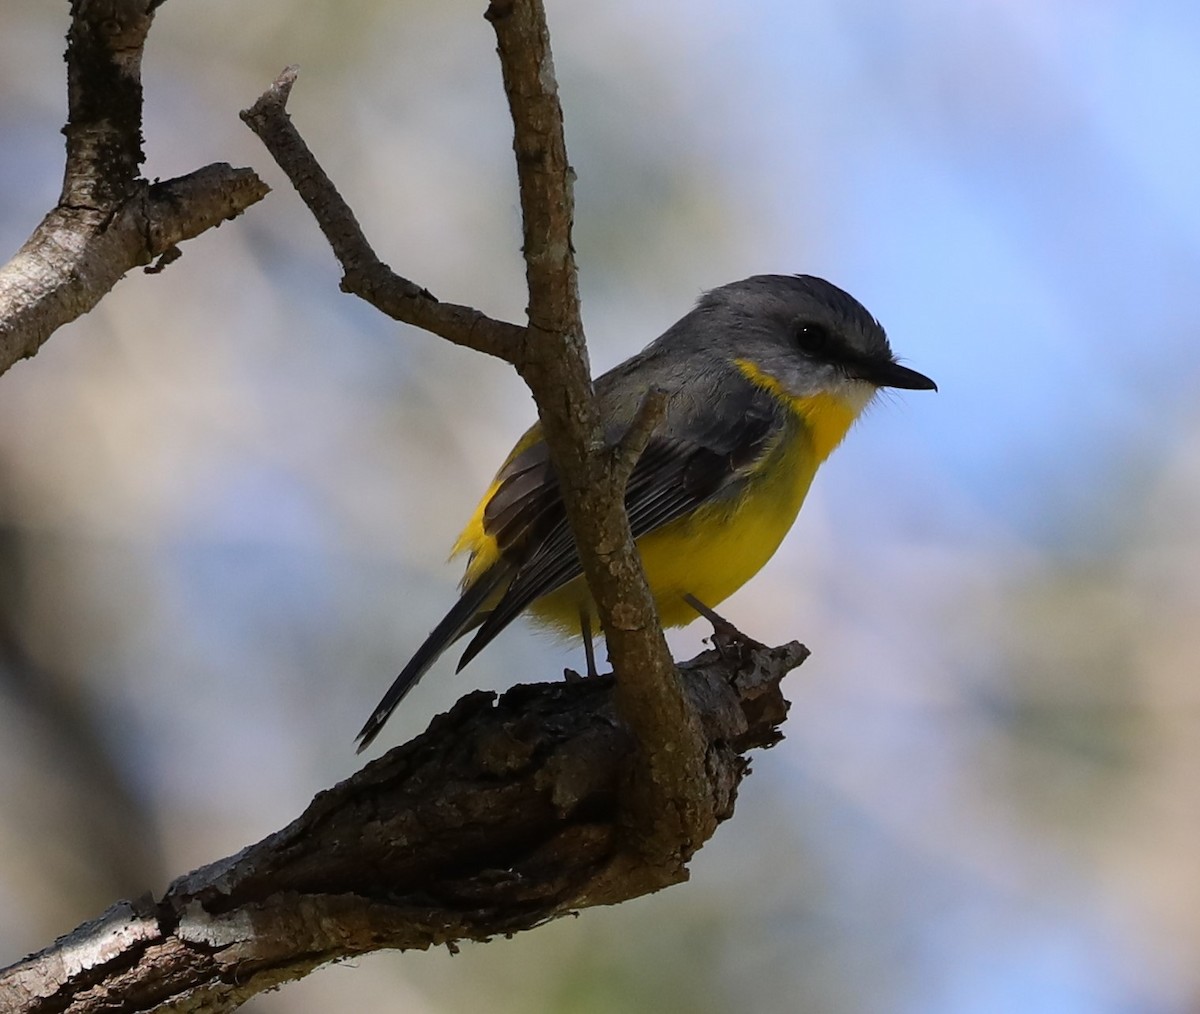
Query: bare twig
x=363 y=273
x=628 y=450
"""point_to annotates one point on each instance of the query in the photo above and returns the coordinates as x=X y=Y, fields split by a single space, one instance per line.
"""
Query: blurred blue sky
x=233 y=487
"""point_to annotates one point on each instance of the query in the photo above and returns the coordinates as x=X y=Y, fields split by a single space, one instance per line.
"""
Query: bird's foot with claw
x=726 y=638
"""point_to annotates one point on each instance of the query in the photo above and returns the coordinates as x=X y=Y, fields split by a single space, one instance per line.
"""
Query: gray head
x=799 y=331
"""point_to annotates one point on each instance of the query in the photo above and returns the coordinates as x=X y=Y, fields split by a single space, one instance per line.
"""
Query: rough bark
x=108 y=219
x=503 y=815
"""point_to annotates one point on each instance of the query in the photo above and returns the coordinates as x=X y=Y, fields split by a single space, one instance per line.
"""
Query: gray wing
x=679 y=471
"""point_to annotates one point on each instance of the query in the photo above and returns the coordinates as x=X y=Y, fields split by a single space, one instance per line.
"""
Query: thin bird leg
x=589 y=649
x=719 y=623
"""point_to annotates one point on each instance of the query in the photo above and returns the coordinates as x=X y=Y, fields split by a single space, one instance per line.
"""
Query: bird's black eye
x=818 y=342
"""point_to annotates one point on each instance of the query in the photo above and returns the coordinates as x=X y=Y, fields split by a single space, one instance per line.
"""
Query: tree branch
x=669 y=812
x=363 y=273
x=502 y=815
x=108 y=219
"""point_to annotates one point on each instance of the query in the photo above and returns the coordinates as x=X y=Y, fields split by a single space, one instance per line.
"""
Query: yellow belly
x=709 y=554
x=713 y=552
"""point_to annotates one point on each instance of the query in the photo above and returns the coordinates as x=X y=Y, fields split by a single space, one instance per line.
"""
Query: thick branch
x=108 y=219
x=104 y=101
x=77 y=255
x=502 y=815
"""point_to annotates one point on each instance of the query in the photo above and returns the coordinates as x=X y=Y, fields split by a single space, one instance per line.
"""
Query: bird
x=761 y=380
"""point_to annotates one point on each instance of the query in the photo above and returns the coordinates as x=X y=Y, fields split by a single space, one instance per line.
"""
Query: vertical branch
x=545 y=177
x=668 y=811
x=104 y=101
x=555 y=365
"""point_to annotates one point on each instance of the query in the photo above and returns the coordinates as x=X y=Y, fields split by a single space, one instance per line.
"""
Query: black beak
x=895 y=375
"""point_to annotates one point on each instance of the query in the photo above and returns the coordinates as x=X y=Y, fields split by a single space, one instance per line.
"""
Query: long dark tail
x=463 y=616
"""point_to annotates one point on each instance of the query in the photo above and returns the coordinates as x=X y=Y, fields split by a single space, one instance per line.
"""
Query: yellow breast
x=714 y=551
x=718 y=548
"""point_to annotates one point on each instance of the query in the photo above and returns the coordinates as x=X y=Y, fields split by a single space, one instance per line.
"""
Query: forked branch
x=108 y=219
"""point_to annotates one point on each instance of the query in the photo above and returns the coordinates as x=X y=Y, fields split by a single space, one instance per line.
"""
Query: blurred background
x=226 y=495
